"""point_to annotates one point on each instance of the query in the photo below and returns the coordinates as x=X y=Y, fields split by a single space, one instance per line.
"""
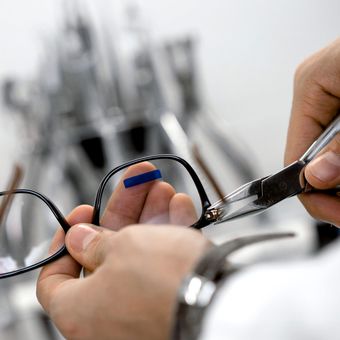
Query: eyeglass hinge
x=213 y=214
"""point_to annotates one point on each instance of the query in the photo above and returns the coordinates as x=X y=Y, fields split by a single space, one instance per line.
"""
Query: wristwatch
x=199 y=287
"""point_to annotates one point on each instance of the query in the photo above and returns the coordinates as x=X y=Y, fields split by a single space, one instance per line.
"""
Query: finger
x=322 y=207
x=316 y=100
x=324 y=171
x=305 y=127
x=182 y=210
x=156 y=208
x=89 y=244
x=126 y=204
x=79 y=214
x=65 y=268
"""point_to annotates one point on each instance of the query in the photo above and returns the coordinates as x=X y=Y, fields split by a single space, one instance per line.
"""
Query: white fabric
x=291 y=301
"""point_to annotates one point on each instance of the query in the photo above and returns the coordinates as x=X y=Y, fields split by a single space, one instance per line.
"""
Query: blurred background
x=87 y=85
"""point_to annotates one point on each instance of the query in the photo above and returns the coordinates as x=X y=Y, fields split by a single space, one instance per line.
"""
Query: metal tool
x=260 y=194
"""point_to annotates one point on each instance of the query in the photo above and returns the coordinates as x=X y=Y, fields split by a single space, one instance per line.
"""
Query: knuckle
x=122 y=239
x=97 y=250
x=125 y=237
x=300 y=71
x=92 y=251
x=305 y=70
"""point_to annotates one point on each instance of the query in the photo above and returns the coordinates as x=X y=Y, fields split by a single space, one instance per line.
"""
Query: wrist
x=199 y=288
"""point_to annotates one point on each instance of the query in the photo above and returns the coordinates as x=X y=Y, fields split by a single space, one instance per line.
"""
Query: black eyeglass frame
x=205 y=202
x=202 y=222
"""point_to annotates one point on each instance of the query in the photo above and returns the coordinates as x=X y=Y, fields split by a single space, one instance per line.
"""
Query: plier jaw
x=237 y=204
x=256 y=196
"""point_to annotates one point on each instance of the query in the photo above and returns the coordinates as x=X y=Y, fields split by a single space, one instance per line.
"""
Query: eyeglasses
x=153 y=189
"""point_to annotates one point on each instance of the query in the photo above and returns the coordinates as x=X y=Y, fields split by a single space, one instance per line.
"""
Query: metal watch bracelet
x=201 y=285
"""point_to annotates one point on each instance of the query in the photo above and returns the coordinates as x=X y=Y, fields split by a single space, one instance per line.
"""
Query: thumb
x=324 y=171
x=88 y=244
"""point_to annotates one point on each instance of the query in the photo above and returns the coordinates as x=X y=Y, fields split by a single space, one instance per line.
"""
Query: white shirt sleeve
x=292 y=301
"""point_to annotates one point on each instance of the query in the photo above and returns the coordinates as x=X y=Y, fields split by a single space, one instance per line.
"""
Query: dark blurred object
x=326 y=233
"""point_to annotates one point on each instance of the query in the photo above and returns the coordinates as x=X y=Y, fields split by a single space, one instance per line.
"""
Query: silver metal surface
x=196 y=290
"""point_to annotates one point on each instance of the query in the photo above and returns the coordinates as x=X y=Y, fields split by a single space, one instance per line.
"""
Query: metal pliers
x=258 y=195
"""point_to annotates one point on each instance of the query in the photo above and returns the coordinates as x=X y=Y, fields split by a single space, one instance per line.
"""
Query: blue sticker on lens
x=142 y=178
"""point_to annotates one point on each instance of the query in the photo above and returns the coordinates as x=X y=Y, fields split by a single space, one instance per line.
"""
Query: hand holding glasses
x=155 y=189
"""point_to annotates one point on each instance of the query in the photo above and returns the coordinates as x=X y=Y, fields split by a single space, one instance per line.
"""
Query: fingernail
x=326 y=167
x=80 y=237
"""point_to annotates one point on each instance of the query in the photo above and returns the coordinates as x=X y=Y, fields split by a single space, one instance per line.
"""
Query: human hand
x=131 y=293
x=315 y=104
x=135 y=272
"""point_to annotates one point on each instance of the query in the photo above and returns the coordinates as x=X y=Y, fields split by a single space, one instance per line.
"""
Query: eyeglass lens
x=26 y=232
x=153 y=192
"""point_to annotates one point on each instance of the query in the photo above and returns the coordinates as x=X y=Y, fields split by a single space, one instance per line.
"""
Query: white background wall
x=247 y=53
